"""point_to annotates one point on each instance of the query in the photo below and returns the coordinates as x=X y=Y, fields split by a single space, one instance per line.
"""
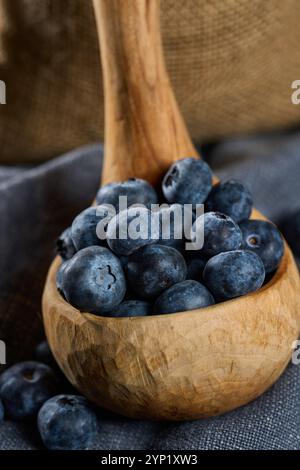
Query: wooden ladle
x=180 y=366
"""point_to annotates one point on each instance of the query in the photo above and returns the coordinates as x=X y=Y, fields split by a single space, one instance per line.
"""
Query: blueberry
x=1 y=411
x=175 y=224
x=220 y=233
x=230 y=198
x=44 y=354
x=132 y=308
x=234 y=273
x=290 y=228
x=67 y=422
x=86 y=227
x=124 y=261
x=59 y=278
x=131 y=229
x=94 y=280
x=24 y=388
x=153 y=269
x=65 y=246
x=188 y=181
x=264 y=239
x=136 y=190
x=186 y=295
x=195 y=266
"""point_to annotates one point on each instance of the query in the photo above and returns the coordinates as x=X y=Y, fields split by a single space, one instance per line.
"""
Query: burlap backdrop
x=231 y=62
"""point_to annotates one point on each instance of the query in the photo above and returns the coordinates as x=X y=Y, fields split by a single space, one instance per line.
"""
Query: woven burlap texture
x=231 y=62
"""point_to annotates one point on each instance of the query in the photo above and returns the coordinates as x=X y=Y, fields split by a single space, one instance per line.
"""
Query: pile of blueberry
x=36 y=391
x=136 y=276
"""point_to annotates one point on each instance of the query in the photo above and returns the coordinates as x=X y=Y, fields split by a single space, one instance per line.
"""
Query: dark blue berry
x=175 y=224
x=65 y=246
x=220 y=232
x=290 y=228
x=24 y=388
x=132 y=308
x=124 y=260
x=195 y=266
x=153 y=269
x=1 y=411
x=67 y=422
x=264 y=239
x=94 y=280
x=44 y=354
x=186 y=295
x=234 y=273
x=59 y=277
x=136 y=190
x=131 y=229
x=188 y=181
x=230 y=198
x=87 y=226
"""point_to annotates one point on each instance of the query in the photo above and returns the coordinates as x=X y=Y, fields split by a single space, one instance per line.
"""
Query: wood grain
x=144 y=130
x=186 y=365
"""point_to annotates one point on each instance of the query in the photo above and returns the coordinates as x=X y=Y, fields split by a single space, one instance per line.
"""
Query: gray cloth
x=36 y=204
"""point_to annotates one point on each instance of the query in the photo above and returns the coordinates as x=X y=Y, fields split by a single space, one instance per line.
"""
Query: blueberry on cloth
x=154 y=268
x=230 y=198
x=186 y=295
x=188 y=181
x=131 y=229
x=67 y=422
x=65 y=246
x=94 y=280
x=220 y=233
x=264 y=239
x=24 y=388
x=44 y=354
x=233 y=273
x=137 y=191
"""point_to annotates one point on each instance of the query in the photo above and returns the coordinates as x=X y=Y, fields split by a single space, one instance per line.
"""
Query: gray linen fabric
x=37 y=203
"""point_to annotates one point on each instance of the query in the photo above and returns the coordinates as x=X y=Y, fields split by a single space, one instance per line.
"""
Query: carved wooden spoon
x=179 y=366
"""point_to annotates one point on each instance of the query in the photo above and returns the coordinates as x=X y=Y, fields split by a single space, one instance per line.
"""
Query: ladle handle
x=144 y=130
